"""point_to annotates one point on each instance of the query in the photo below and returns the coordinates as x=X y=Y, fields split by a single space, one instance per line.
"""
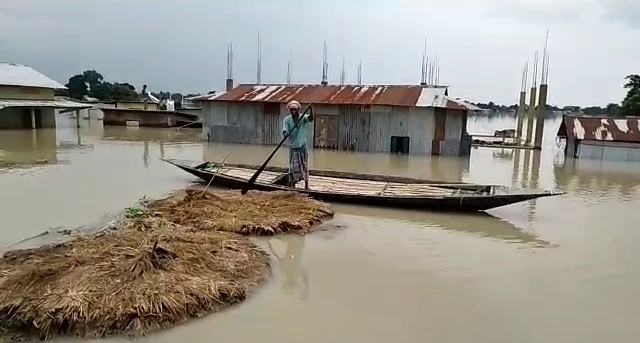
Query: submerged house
x=601 y=138
x=27 y=99
x=408 y=119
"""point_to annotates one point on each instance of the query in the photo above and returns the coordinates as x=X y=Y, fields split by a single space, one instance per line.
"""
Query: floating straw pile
x=256 y=213
x=179 y=257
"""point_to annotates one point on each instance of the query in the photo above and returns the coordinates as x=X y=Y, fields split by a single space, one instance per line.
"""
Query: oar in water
x=253 y=179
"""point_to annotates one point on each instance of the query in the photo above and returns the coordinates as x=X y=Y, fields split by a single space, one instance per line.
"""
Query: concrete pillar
x=229 y=85
x=33 y=118
x=531 y=115
x=521 y=115
x=542 y=109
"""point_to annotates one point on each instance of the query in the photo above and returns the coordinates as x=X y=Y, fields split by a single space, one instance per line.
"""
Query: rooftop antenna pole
x=360 y=73
x=545 y=60
x=525 y=76
x=325 y=65
x=289 y=69
x=435 y=72
x=343 y=73
x=431 y=71
x=230 y=61
x=535 y=71
x=426 y=70
x=423 y=75
x=229 y=81
x=259 y=62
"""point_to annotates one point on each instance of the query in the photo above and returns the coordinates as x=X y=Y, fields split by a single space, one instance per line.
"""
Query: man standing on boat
x=298 y=156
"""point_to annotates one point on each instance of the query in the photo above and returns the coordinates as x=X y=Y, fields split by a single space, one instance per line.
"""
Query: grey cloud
x=625 y=11
x=181 y=45
x=544 y=11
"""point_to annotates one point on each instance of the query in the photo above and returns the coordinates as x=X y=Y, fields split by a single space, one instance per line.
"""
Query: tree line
x=91 y=84
x=629 y=106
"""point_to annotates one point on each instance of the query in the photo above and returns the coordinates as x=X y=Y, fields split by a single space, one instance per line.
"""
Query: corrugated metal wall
x=415 y=123
x=361 y=128
x=233 y=122
x=452 y=133
x=570 y=148
x=421 y=126
x=609 y=151
x=354 y=128
x=379 y=129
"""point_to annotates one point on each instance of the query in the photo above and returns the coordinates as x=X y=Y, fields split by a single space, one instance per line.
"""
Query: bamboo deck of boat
x=367 y=189
x=345 y=186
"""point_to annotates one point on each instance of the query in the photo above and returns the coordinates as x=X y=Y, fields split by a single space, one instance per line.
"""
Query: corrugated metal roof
x=58 y=103
x=600 y=128
x=204 y=97
x=19 y=75
x=391 y=95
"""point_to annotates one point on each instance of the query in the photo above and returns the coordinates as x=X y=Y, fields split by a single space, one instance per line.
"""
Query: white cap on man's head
x=293 y=104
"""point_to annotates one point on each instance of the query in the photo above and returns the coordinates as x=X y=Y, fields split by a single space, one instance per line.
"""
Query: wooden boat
x=366 y=189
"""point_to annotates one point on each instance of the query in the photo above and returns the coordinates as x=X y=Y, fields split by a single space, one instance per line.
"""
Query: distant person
x=298 y=156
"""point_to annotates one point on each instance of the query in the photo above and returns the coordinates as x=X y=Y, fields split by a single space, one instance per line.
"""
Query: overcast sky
x=482 y=45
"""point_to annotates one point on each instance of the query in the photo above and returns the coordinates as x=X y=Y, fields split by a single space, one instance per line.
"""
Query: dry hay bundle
x=259 y=213
x=127 y=281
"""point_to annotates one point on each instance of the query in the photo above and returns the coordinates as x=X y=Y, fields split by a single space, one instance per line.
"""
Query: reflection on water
x=505 y=154
x=145 y=134
x=294 y=275
x=435 y=167
x=591 y=177
x=386 y=275
x=23 y=147
x=480 y=224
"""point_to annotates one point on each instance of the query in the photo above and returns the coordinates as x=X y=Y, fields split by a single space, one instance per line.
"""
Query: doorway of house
x=399 y=145
x=25 y=116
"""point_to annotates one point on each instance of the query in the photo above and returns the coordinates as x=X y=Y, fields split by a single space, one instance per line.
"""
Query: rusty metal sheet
x=600 y=128
x=385 y=95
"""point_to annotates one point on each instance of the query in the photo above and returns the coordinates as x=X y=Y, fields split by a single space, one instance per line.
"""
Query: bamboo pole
x=214 y=174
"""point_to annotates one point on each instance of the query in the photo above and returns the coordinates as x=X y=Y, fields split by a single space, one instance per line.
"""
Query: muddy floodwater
x=561 y=269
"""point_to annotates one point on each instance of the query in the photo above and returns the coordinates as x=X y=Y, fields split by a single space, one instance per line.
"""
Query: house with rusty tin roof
x=27 y=98
x=411 y=119
x=601 y=138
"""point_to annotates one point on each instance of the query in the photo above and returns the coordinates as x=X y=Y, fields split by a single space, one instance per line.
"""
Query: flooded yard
x=559 y=269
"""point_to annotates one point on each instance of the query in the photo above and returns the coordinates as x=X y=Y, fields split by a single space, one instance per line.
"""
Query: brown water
x=562 y=269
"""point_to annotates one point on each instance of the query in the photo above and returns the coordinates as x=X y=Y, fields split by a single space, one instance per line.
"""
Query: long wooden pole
x=253 y=178
x=216 y=173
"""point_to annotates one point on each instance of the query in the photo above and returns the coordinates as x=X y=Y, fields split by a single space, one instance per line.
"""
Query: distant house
x=27 y=98
x=394 y=118
x=601 y=138
x=193 y=105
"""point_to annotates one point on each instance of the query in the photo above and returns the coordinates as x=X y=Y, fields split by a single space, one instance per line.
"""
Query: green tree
x=631 y=103
x=77 y=87
x=613 y=109
x=122 y=92
x=92 y=83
